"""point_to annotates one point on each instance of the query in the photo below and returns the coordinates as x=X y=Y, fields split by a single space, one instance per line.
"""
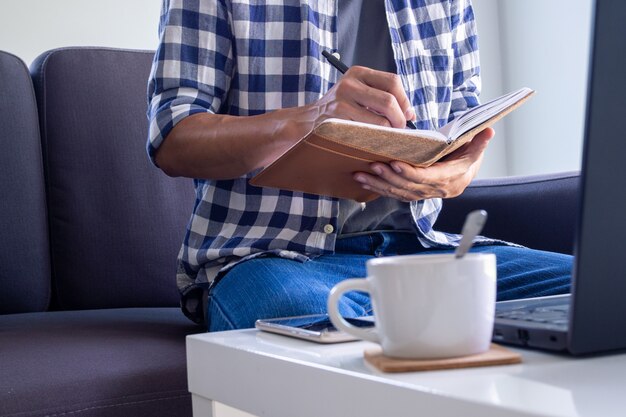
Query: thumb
x=481 y=140
x=485 y=135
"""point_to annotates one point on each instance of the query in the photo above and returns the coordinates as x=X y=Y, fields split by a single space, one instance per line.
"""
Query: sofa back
x=537 y=211
x=24 y=249
x=116 y=222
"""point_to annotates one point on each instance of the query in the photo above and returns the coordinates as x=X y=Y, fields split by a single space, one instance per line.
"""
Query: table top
x=267 y=374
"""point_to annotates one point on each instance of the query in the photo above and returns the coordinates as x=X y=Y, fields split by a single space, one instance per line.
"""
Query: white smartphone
x=315 y=328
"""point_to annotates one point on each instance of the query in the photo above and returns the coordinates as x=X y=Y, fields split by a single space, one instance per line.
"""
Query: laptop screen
x=599 y=304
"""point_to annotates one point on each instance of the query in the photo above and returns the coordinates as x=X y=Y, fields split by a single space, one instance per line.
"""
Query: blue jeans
x=276 y=287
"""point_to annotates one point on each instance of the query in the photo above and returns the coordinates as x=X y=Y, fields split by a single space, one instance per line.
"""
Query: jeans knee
x=274 y=287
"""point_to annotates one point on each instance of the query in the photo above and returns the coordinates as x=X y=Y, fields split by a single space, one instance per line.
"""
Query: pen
x=342 y=68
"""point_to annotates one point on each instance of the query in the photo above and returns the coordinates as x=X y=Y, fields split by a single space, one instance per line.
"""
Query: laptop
x=592 y=318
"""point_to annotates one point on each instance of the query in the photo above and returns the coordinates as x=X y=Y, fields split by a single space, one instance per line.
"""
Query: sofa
x=90 y=234
x=89 y=316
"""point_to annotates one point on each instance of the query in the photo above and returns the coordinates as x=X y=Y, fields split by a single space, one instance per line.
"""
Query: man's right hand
x=365 y=95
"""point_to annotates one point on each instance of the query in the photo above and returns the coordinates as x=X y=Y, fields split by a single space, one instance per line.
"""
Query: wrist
x=294 y=123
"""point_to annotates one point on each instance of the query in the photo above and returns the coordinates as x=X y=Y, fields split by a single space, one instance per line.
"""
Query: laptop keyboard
x=555 y=314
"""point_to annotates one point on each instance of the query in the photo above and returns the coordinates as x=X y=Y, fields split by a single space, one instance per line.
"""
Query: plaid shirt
x=250 y=57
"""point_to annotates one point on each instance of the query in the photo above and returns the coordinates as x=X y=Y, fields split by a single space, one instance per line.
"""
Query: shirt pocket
x=433 y=92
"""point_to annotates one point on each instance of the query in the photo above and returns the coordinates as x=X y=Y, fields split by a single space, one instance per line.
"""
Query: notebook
x=592 y=318
x=324 y=161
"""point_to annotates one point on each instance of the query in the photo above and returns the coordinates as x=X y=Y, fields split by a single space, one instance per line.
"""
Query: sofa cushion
x=24 y=250
x=116 y=221
x=95 y=363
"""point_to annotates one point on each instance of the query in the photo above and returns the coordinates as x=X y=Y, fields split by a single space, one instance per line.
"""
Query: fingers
x=472 y=150
x=390 y=83
x=378 y=92
x=444 y=179
x=486 y=134
x=351 y=110
x=391 y=184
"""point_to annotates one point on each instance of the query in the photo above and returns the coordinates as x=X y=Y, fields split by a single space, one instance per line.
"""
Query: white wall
x=543 y=45
x=492 y=74
x=30 y=27
x=536 y=43
x=548 y=50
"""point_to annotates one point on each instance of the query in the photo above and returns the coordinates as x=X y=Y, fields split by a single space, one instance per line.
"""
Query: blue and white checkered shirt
x=249 y=57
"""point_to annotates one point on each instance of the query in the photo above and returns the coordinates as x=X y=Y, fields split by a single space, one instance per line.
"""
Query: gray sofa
x=89 y=317
x=90 y=234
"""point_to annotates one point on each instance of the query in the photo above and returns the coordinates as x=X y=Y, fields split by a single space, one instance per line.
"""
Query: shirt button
x=328 y=229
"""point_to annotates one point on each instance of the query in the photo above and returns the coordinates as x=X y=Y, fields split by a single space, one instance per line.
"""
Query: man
x=236 y=83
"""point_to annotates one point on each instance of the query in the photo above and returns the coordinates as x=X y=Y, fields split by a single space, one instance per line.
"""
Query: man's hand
x=365 y=95
x=446 y=178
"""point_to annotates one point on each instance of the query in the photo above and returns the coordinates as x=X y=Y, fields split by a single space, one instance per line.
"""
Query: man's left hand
x=444 y=179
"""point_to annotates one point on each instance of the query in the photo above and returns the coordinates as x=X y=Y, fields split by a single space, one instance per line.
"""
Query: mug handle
x=355 y=284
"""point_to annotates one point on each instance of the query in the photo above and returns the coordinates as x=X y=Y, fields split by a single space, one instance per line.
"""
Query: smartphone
x=316 y=328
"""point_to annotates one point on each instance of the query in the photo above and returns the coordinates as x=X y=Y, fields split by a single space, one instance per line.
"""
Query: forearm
x=212 y=146
x=215 y=146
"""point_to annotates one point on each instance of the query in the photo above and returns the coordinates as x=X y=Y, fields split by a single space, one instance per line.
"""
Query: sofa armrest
x=538 y=211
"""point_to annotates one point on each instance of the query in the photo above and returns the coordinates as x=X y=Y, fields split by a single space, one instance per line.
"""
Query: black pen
x=342 y=68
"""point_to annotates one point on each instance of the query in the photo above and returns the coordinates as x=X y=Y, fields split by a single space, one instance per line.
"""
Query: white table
x=271 y=375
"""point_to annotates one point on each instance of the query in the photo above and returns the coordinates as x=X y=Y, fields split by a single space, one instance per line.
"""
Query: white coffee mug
x=425 y=306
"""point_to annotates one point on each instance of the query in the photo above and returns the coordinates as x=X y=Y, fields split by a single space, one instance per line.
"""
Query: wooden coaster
x=496 y=355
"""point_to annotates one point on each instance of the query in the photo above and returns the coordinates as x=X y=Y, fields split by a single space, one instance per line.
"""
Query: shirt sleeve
x=192 y=67
x=466 y=78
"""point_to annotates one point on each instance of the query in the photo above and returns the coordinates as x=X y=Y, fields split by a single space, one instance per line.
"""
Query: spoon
x=474 y=223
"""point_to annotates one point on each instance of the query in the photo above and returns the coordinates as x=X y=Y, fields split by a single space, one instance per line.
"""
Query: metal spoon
x=474 y=223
